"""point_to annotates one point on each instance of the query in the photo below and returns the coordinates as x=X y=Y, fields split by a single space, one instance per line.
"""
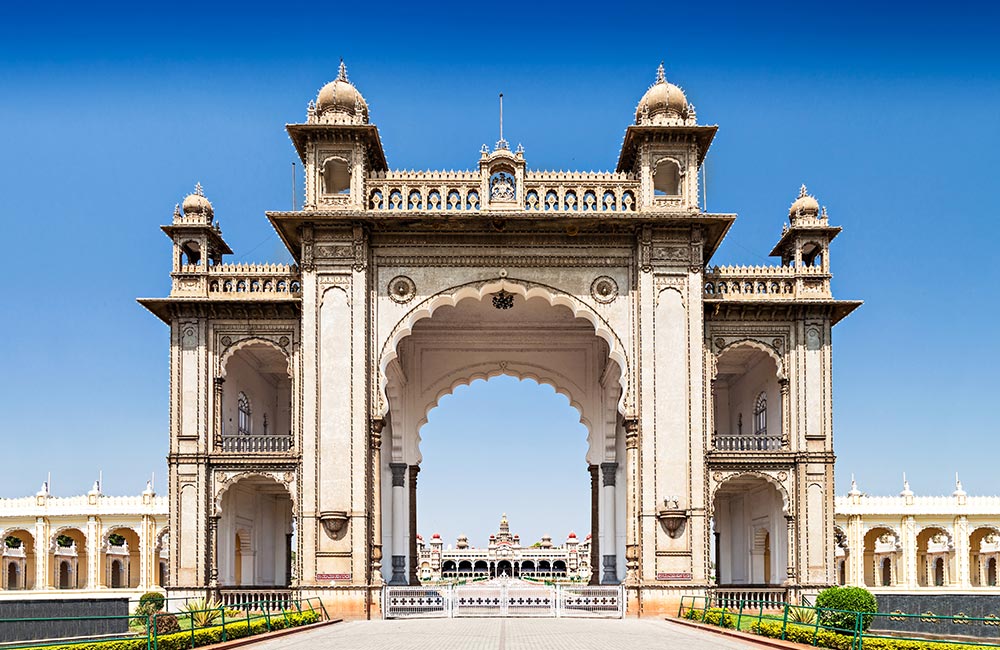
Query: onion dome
x=196 y=204
x=805 y=206
x=436 y=536
x=572 y=535
x=663 y=103
x=339 y=102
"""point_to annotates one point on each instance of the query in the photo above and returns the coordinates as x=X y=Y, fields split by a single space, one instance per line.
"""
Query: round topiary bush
x=848 y=600
x=166 y=624
x=152 y=601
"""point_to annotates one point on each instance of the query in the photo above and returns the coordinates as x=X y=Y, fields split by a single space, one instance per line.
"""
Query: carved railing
x=462 y=191
x=766 y=283
x=256 y=444
x=258 y=598
x=748 y=443
x=751 y=597
x=580 y=192
x=227 y=280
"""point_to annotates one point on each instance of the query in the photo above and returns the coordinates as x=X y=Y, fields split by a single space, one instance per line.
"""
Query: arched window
x=667 y=178
x=760 y=415
x=336 y=176
x=244 y=407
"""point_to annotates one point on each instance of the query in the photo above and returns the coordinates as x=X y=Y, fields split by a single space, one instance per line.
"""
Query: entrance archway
x=69 y=559
x=18 y=551
x=749 y=519
x=257 y=512
x=881 y=555
x=530 y=334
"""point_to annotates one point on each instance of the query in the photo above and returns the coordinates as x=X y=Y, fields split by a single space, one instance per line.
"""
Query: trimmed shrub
x=826 y=639
x=850 y=599
x=714 y=616
x=153 y=600
x=166 y=624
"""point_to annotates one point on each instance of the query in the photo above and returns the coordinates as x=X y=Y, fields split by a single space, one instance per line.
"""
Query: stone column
x=217 y=396
x=961 y=543
x=94 y=568
x=632 y=505
x=909 y=543
x=398 y=522
x=610 y=575
x=414 y=470
x=213 y=552
x=856 y=551
x=785 y=413
x=595 y=524
x=43 y=555
x=375 y=516
x=145 y=553
x=792 y=551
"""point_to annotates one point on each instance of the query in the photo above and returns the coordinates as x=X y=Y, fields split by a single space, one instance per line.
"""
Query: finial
x=906 y=488
x=661 y=76
x=198 y=190
x=501 y=143
x=802 y=191
x=959 y=492
x=854 y=487
x=342 y=71
x=177 y=210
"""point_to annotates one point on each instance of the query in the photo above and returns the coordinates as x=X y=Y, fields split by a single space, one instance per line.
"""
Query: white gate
x=504 y=598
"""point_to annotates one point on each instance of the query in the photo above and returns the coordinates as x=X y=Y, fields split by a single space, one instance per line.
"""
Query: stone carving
x=402 y=289
x=604 y=289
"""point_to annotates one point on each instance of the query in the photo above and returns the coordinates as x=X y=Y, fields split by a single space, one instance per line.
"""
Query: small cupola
x=339 y=102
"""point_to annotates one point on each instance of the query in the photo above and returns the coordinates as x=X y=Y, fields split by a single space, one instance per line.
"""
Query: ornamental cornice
x=502 y=261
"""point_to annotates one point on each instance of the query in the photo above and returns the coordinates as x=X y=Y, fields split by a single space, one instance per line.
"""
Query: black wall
x=86 y=607
x=972 y=605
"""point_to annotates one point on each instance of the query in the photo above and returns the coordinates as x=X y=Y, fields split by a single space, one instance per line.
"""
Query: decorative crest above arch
x=767 y=349
x=229 y=352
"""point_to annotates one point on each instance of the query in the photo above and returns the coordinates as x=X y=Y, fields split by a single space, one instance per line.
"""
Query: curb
x=236 y=643
x=761 y=641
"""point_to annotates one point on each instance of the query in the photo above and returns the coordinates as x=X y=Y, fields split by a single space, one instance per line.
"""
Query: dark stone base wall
x=971 y=605
x=61 y=608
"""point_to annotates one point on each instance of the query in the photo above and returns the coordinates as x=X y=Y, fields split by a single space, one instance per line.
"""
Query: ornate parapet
x=229 y=281
x=766 y=283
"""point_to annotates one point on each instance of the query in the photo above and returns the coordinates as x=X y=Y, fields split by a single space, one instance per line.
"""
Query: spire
x=501 y=143
x=342 y=71
x=803 y=192
x=906 y=488
x=198 y=190
x=959 y=492
x=854 y=488
x=661 y=76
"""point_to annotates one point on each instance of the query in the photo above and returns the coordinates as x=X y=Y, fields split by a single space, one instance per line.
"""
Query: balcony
x=256 y=444
x=748 y=443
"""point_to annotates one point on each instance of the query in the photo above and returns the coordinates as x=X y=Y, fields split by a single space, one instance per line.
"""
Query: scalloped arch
x=6 y=532
x=782 y=492
x=59 y=531
x=466 y=375
x=478 y=290
x=758 y=345
x=943 y=528
x=110 y=530
x=220 y=494
x=229 y=352
x=874 y=527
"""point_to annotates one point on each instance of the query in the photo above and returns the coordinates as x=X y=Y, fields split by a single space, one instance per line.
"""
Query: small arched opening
x=812 y=255
x=886 y=572
x=336 y=176
x=881 y=553
x=190 y=253
x=66 y=579
x=984 y=549
x=934 y=557
x=257 y=512
x=122 y=559
x=69 y=548
x=19 y=550
x=667 y=178
x=257 y=400
x=747 y=399
x=991 y=572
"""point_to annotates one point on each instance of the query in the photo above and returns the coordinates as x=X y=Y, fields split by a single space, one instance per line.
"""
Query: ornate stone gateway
x=298 y=392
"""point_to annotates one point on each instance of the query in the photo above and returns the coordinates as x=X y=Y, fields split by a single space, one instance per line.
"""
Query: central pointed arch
x=478 y=290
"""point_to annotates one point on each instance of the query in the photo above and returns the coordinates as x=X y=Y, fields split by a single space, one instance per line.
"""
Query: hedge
x=205 y=636
x=848 y=600
x=834 y=641
x=714 y=616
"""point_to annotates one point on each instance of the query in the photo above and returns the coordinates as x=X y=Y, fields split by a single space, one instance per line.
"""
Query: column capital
x=609 y=470
x=398 y=474
x=631 y=433
x=377 y=425
x=218 y=382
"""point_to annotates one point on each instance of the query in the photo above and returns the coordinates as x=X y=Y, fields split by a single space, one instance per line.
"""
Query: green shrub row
x=848 y=600
x=204 y=636
x=835 y=641
x=713 y=616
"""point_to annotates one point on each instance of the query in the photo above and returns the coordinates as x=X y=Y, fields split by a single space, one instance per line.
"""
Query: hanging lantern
x=503 y=300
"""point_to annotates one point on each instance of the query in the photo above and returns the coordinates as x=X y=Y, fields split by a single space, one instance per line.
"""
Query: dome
x=663 y=103
x=805 y=205
x=572 y=535
x=436 y=536
x=197 y=204
x=340 y=102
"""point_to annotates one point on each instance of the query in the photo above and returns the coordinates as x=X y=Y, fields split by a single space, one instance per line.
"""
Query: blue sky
x=110 y=114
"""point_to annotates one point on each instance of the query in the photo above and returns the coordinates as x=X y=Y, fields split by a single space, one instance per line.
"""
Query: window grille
x=244 y=421
x=760 y=415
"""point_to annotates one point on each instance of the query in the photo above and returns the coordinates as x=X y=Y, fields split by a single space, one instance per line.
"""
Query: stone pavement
x=504 y=634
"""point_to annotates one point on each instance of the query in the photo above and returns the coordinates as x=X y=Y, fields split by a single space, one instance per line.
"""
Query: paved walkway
x=504 y=634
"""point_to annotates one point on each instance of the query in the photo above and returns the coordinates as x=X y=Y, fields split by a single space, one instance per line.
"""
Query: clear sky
x=110 y=114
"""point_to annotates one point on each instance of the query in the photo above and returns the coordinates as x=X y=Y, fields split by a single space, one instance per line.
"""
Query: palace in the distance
x=298 y=392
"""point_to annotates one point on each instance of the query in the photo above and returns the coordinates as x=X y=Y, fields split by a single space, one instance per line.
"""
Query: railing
x=226 y=280
x=837 y=628
x=256 y=444
x=263 y=598
x=771 y=282
x=768 y=597
x=397 y=191
x=748 y=443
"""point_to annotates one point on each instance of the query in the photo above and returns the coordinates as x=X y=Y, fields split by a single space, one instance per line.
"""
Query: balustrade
x=748 y=443
x=769 y=282
x=750 y=597
x=256 y=444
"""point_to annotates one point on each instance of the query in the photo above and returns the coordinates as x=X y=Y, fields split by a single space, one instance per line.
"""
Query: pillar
x=43 y=555
x=791 y=551
x=219 y=426
x=398 y=523
x=94 y=569
x=632 y=501
x=961 y=543
x=595 y=524
x=610 y=575
x=856 y=551
x=414 y=579
x=375 y=516
x=213 y=552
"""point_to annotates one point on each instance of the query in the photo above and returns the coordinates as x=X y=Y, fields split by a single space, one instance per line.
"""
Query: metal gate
x=504 y=598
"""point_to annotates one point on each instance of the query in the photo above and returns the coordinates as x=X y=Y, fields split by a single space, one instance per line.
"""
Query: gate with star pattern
x=499 y=599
